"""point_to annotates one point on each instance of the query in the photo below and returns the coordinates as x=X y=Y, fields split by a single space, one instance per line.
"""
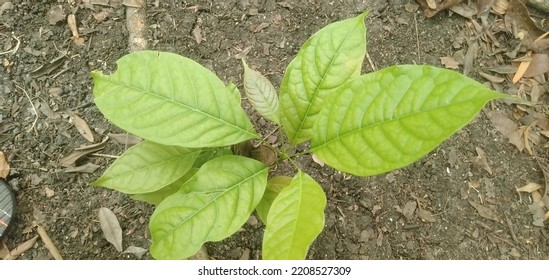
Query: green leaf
x=147 y=167
x=261 y=94
x=234 y=91
x=295 y=219
x=210 y=154
x=158 y=196
x=327 y=60
x=171 y=100
x=393 y=117
x=274 y=186
x=211 y=206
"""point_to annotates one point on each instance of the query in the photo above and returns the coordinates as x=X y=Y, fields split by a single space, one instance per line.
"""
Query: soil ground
x=366 y=218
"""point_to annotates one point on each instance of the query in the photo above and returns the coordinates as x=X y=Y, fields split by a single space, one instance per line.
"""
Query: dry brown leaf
x=523 y=66
x=56 y=14
x=482 y=160
x=86 y=168
x=82 y=127
x=49 y=192
x=470 y=56
x=484 y=211
x=463 y=10
x=492 y=78
x=4 y=166
x=197 y=34
x=74 y=155
x=449 y=62
x=409 y=209
x=507 y=128
x=426 y=216
x=111 y=228
x=265 y=155
x=500 y=7
x=125 y=138
x=484 y=6
x=138 y=252
x=432 y=7
x=517 y=15
x=317 y=160
x=539 y=65
x=21 y=248
x=133 y=3
x=71 y=21
x=529 y=188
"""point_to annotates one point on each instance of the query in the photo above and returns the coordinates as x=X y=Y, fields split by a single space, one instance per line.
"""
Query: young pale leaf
x=157 y=196
x=211 y=206
x=327 y=60
x=147 y=167
x=274 y=186
x=391 y=118
x=171 y=100
x=295 y=219
x=261 y=93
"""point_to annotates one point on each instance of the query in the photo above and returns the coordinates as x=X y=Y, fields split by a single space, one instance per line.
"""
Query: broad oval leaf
x=393 y=117
x=295 y=219
x=327 y=60
x=261 y=94
x=110 y=227
x=171 y=100
x=274 y=186
x=211 y=206
x=147 y=167
x=159 y=195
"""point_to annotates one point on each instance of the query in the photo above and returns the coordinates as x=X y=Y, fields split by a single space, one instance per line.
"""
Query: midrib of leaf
x=144 y=92
x=214 y=201
x=294 y=222
x=386 y=121
x=317 y=88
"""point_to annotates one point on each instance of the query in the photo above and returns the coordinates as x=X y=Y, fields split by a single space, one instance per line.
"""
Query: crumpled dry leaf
x=432 y=7
x=56 y=14
x=110 y=227
x=507 y=128
x=4 y=166
x=538 y=65
x=484 y=211
x=449 y=62
x=426 y=216
x=409 y=209
x=482 y=161
x=138 y=252
x=71 y=21
x=264 y=154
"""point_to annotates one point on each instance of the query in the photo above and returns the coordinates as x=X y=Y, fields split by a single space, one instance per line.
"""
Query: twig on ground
x=33 y=108
x=48 y=243
x=14 y=50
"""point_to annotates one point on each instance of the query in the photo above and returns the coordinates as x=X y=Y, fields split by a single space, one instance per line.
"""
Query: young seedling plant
x=204 y=190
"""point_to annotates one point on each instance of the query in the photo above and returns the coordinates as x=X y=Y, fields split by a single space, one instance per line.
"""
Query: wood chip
x=4 y=166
